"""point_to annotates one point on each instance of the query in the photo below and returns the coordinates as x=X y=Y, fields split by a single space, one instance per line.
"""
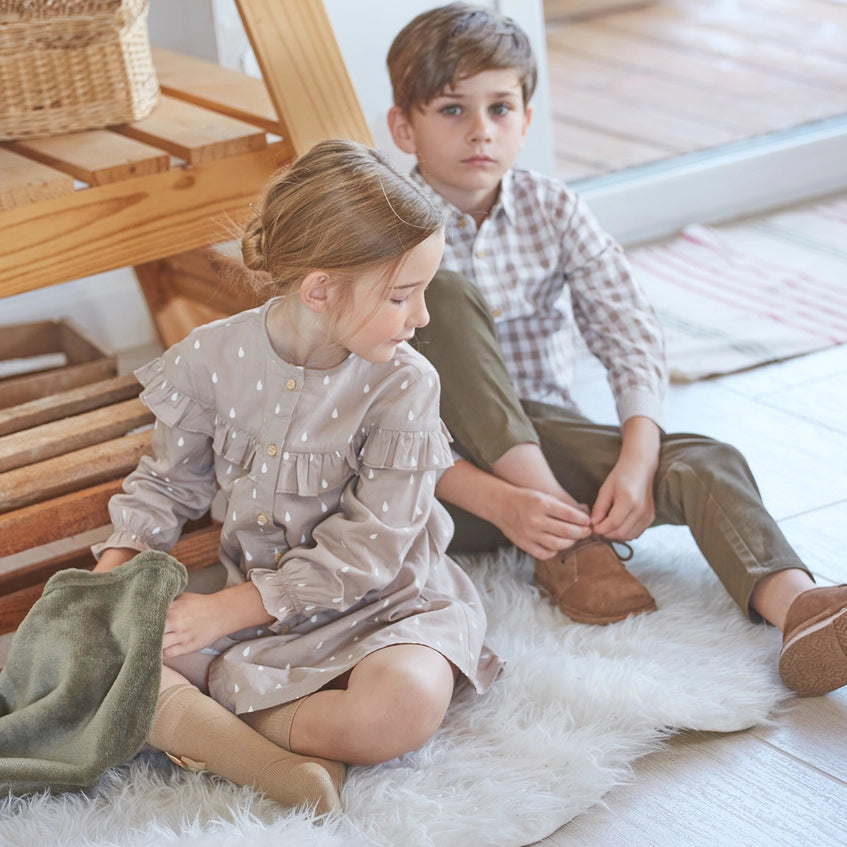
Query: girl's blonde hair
x=340 y=208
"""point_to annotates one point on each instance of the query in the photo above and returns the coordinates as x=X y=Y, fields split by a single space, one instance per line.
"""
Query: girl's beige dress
x=327 y=478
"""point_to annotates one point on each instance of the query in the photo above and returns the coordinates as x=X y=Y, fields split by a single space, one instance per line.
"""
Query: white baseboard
x=655 y=201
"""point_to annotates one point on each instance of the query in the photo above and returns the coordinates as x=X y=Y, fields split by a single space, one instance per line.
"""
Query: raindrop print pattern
x=322 y=524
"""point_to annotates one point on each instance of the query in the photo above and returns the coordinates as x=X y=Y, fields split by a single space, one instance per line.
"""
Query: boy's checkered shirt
x=549 y=273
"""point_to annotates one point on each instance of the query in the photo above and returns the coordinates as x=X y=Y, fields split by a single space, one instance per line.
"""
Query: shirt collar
x=505 y=199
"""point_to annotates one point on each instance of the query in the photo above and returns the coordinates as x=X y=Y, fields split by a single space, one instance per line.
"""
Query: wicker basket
x=68 y=65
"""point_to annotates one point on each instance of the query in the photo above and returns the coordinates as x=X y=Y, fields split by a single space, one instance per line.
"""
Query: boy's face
x=467 y=138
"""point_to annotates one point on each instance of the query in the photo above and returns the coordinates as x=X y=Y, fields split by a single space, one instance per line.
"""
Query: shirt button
x=272 y=449
x=262 y=519
x=480 y=254
x=461 y=223
x=291 y=384
x=496 y=313
x=286 y=629
x=277 y=557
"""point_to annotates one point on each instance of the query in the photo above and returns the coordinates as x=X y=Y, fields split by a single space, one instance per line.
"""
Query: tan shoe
x=590 y=584
x=813 y=660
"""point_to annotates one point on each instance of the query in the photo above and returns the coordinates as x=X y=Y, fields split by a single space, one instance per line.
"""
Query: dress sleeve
x=176 y=482
x=613 y=315
x=385 y=514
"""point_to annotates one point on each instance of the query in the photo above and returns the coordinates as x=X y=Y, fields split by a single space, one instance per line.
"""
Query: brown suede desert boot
x=813 y=660
x=590 y=584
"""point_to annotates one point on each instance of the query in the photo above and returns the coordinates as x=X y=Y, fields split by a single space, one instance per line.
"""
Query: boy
x=525 y=267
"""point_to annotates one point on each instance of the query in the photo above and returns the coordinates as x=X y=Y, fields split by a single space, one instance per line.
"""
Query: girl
x=342 y=626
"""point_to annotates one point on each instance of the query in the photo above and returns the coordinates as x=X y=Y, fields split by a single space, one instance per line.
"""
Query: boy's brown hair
x=449 y=43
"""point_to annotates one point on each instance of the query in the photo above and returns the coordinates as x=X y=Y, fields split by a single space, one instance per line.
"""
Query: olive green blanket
x=81 y=682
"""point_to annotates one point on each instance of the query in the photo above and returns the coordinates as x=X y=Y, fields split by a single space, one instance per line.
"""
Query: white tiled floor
x=784 y=784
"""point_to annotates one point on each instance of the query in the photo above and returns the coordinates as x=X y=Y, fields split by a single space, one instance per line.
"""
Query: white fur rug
x=575 y=706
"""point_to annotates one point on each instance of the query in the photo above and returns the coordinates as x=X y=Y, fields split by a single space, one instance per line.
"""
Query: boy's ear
x=314 y=291
x=526 y=122
x=401 y=130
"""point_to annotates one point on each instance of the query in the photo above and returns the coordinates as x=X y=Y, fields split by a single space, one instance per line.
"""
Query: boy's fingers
x=572 y=514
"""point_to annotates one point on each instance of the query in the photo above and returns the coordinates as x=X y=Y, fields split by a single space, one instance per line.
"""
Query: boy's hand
x=624 y=507
x=539 y=523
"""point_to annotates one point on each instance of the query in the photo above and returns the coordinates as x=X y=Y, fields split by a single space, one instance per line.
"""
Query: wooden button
x=272 y=449
x=291 y=384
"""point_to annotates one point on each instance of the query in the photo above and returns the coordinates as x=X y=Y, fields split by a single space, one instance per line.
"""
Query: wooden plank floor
x=636 y=83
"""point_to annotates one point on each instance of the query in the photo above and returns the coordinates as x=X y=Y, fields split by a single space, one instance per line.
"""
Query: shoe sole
x=814 y=662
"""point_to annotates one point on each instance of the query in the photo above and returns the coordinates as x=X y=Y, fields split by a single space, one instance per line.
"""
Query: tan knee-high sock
x=275 y=723
x=196 y=729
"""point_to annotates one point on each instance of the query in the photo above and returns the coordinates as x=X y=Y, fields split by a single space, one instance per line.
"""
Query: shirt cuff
x=121 y=538
x=641 y=402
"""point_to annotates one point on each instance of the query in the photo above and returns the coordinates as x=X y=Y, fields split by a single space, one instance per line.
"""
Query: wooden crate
x=59 y=356
x=62 y=457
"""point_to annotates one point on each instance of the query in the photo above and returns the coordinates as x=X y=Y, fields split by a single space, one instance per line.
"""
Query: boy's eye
x=500 y=109
x=399 y=301
x=451 y=110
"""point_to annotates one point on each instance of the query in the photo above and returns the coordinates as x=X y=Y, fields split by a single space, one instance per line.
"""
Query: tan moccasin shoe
x=590 y=584
x=813 y=660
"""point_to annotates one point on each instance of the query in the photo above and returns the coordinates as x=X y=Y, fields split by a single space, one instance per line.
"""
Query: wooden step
x=226 y=91
x=96 y=157
x=193 y=133
x=24 y=181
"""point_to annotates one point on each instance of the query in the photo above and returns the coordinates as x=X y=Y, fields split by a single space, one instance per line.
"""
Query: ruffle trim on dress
x=310 y=474
x=408 y=451
x=176 y=408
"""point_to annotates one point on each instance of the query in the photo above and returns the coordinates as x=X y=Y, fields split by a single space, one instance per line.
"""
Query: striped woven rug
x=735 y=296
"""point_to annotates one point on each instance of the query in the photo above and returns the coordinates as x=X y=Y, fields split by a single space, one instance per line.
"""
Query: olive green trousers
x=700 y=483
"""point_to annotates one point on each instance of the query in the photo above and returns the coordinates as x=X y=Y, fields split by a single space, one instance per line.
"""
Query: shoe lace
x=612 y=542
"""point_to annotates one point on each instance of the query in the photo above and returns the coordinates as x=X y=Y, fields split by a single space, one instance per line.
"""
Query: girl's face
x=378 y=323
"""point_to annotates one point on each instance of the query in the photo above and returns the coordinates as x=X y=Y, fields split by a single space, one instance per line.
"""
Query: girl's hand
x=113 y=557
x=193 y=622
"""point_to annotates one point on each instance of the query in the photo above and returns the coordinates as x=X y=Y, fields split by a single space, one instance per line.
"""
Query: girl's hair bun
x=253 y=246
